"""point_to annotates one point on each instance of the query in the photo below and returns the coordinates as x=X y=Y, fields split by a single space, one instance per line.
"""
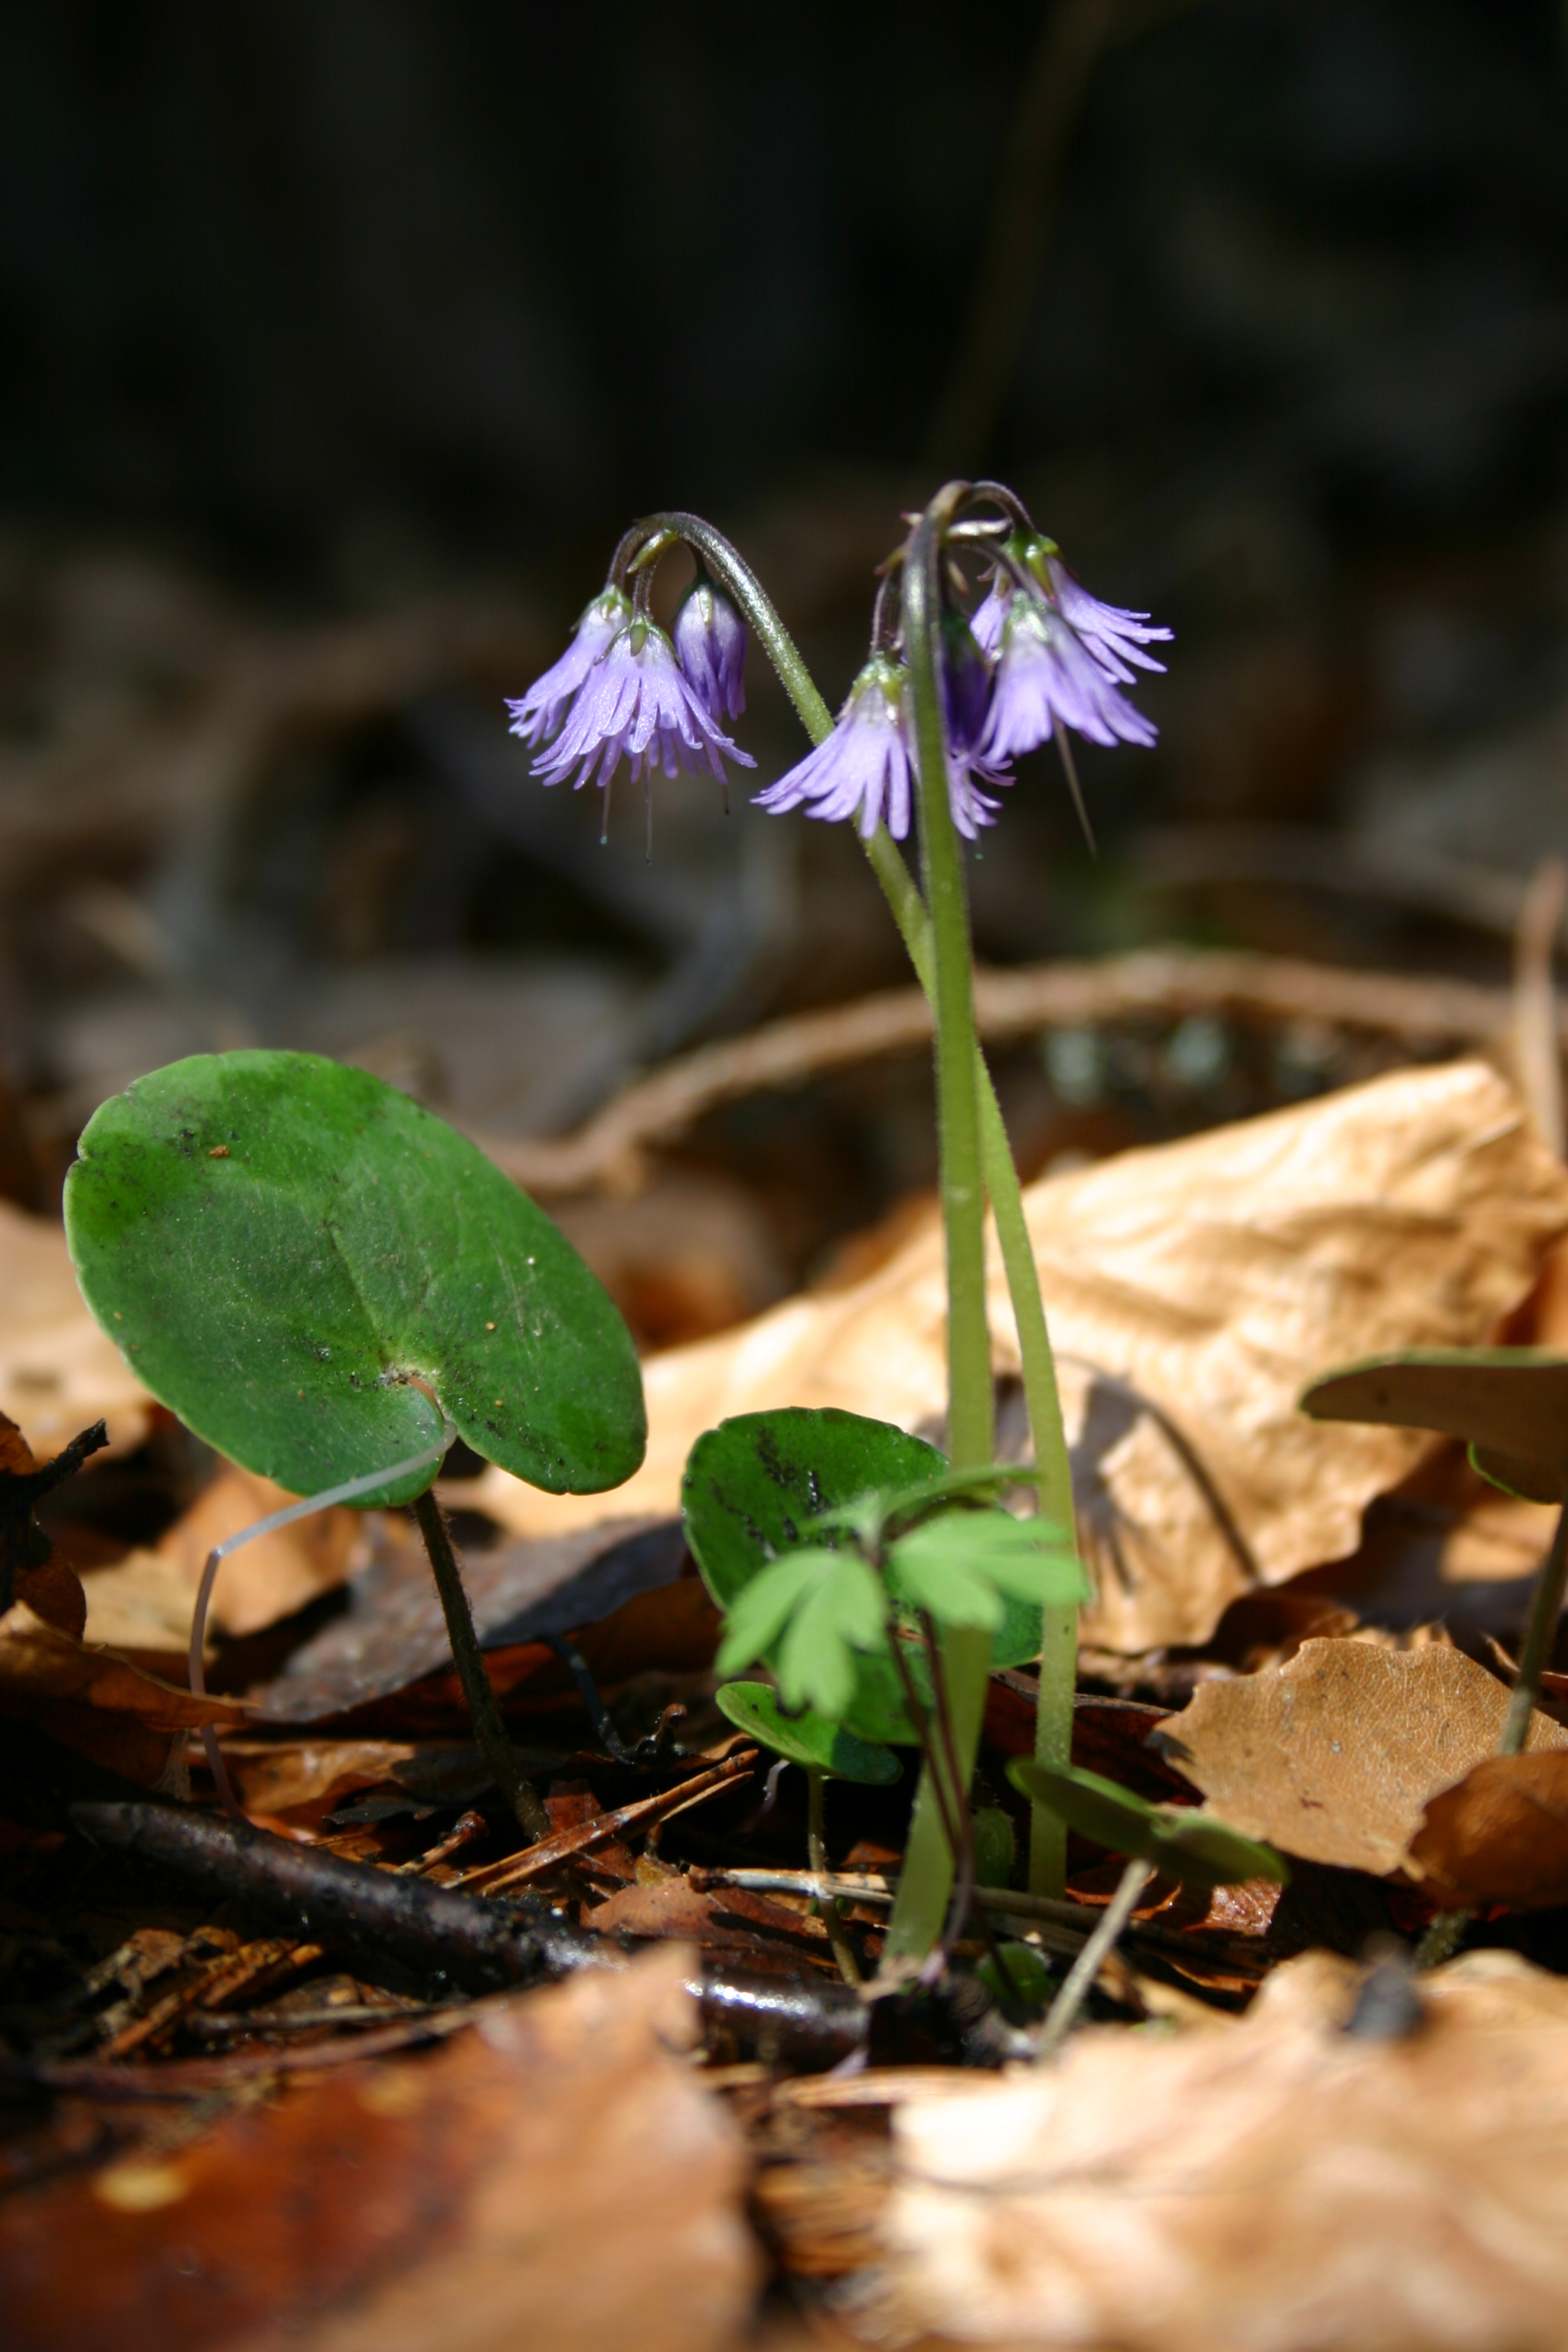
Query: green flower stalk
x=927 y=712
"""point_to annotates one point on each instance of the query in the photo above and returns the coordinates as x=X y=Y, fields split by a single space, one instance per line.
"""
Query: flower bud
x=709 y=639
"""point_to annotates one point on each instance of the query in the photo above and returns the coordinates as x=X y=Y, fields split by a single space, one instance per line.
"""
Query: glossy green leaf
x=1178 y=1840
x=805 y=1739
x=753 y=1484
x=282 y=1247
x=1509 y=1404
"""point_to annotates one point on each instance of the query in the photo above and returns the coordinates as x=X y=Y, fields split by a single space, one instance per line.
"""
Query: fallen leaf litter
x=1193 y=1289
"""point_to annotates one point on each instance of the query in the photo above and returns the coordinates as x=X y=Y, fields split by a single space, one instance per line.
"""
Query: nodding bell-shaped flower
x=965 y=688
x=536 y=715
x=1047 y=675
x=636 y=700
x=1113 y=635
x=709 y=639
x=863 y=769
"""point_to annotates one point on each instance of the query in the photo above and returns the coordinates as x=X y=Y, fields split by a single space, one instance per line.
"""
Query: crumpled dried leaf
x=393 y=1631
x=1333 y=1755
x=1500 y=1836
x=557 y=2177
x=101 y=1706
x=145 y=1601
x=1277 y=2188
x=58 y=1371
x=1192 y=1289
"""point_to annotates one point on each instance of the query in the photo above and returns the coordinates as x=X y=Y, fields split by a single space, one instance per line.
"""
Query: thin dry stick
x=816 y=1852
x=1419 y=1015
x=484 y=1712
x=1537 y=1046
x=1090 y=1960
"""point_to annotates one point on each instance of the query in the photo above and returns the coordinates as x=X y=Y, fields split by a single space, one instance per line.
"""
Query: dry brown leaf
x=557 y=2177
x=1333 y=1755
x=58 y=1371
x=1499 y=1836
x=101 y=1706
x=1192 y=1289
x=1280 y=2188
x=145 y=1600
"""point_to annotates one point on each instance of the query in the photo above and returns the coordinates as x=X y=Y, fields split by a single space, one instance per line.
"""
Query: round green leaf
x=805 y=1739
x=283 y=1248
x=1178 y=1840
x=1510 y=1403
x=753 y=1484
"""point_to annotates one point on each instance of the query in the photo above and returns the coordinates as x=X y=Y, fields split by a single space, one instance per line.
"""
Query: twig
x=1167 y=983
x=606 y=1829
x=1087 y=1965
x=484 y=1712
x=355 y=1909
x=1063 y=1925
x=346 y=1905
x=1537 y=1048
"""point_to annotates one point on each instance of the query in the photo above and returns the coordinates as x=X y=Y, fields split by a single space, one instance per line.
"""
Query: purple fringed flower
x=965 y=689
x=636 y=700
x=863 y=769
x=1114 y=635
x=1047 y=674
x=536 y=715
x=709 y=639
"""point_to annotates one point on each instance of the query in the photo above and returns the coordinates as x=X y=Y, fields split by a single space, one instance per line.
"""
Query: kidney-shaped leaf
x=283 y=1247
x=805 y=1739
x=1509 y=1404
x=1178 y=1840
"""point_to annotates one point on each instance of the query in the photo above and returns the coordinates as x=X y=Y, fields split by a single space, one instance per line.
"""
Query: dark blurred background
x=339 y=341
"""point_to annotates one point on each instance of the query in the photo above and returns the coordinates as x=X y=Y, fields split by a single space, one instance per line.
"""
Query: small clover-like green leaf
x=763 y=1608
x=806 y=1739
x=313 y=1272
x=1176 y=1839
x=845 y=1611
x=964 y=1565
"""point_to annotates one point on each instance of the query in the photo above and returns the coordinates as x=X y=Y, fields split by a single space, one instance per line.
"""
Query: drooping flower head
x=636 y=700
x=1047 y=675
x=863 y=769
x=1058 y=653
x=709 y=639
x=536 y=715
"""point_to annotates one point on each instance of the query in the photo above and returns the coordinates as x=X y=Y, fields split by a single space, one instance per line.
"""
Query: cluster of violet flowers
x=1039 y=657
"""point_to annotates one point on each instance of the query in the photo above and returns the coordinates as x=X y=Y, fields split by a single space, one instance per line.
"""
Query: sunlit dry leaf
x=101 y=1706
x=1333 y=1755
x=145 y=1600
x=1277 y=2188
x=1499 y=1836
x=1192 y=1289
x=58 y=1371
x=557 y=2177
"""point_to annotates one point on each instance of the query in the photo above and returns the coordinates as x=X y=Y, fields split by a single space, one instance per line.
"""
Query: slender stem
x=1042 y=1399
x=489 y=1731
x=926 y=1882
x=1545 y=1610
x=816 y=1854
x=743 y=585
x=1092 y=1958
